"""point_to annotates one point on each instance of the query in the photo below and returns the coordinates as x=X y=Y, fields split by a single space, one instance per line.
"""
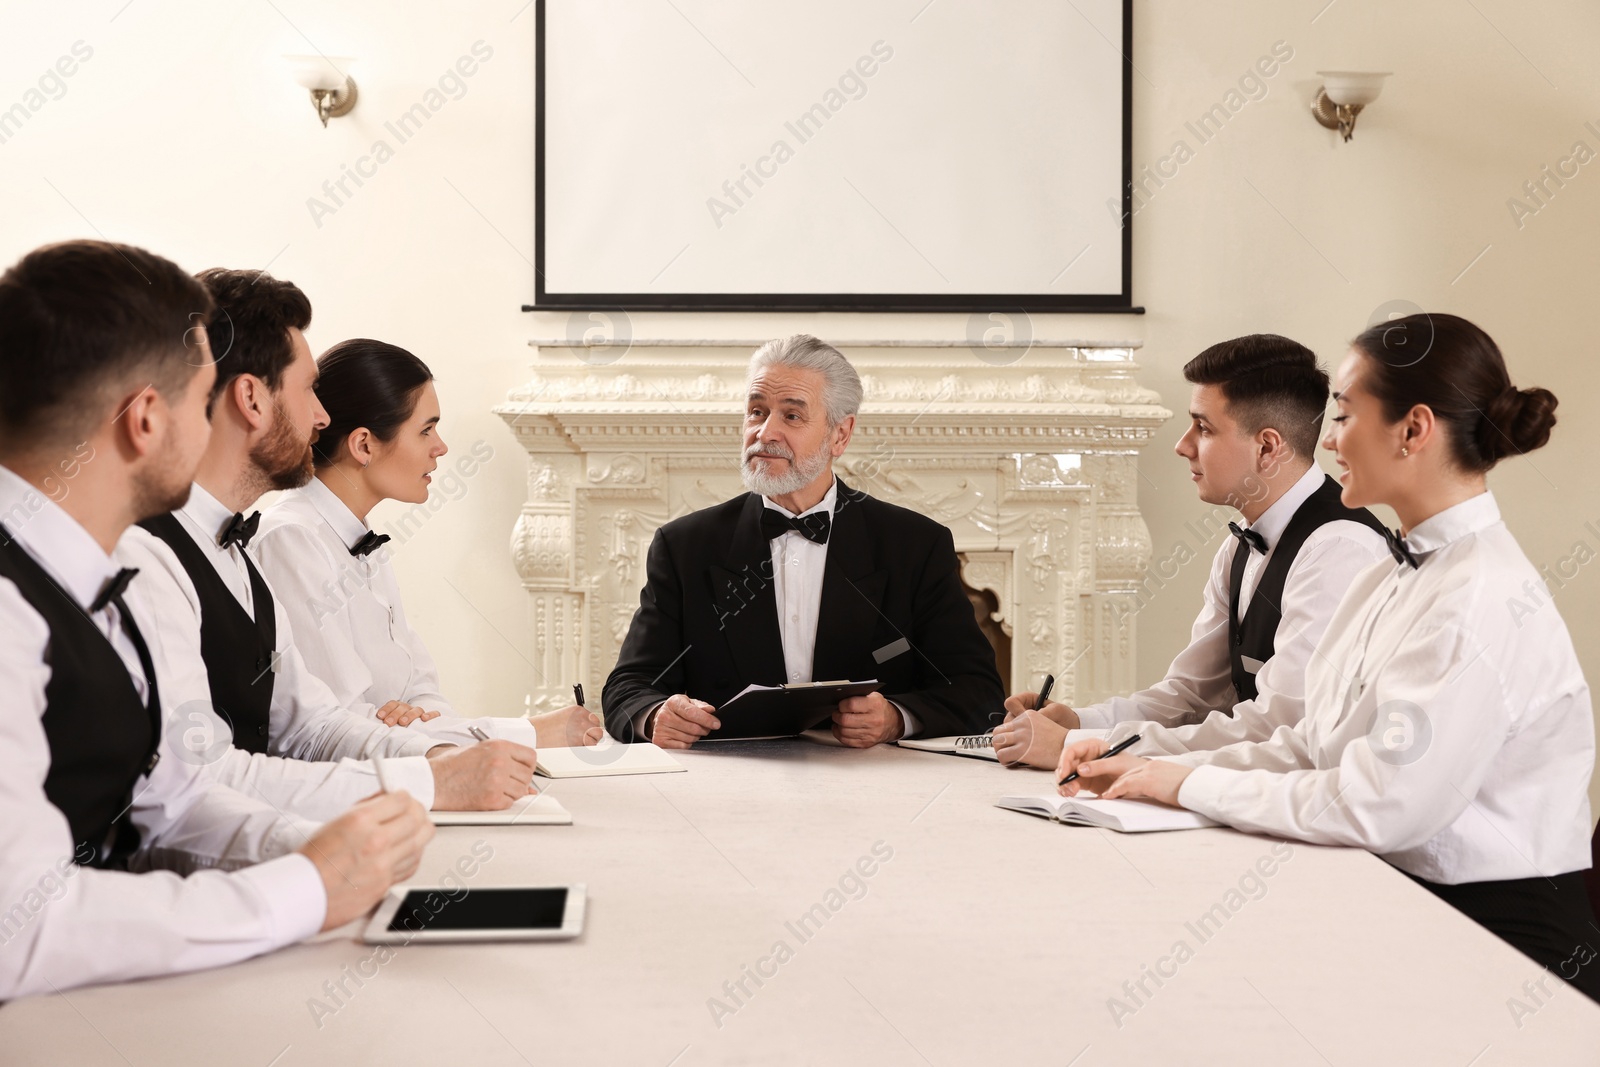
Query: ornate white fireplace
x=1026 y=451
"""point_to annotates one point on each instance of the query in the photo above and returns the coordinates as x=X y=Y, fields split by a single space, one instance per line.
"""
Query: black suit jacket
x=707 y=623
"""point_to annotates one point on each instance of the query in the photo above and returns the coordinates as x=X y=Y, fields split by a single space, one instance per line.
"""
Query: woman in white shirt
x=1448 y=727
x=332 y=573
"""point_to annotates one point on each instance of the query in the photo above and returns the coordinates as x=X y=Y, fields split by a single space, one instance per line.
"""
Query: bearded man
x=802 y=578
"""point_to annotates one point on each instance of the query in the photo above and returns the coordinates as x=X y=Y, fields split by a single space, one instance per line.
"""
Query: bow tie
x=1249 y=537
x=813 y=527
x=239 y=530
x=112 y=591
x=1398 y=547
x=370 y=542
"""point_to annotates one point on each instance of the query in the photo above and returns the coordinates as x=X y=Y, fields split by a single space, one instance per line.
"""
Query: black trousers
x=1549 y=920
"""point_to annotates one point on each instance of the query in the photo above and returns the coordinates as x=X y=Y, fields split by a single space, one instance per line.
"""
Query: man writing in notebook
x=802 y=578
x=1255 y=415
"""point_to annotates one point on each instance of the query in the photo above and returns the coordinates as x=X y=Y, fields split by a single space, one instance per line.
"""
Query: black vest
x=238 y=650
x=1253 y=636
x=101 y=737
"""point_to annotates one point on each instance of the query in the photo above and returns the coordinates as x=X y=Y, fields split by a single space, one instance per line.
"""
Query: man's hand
x=682 y=721
x=488 y=776
x=1029 y=738
x=861 y=722
x=571 y=727
x=399 y=713
x=363 y=852
x=1059 y=714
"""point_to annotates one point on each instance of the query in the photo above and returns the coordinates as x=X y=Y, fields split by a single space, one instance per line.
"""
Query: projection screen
x=840 y=154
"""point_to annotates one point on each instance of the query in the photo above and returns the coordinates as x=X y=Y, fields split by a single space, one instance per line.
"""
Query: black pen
x=1044 y=691
x=1112 y=751
x=577 y=693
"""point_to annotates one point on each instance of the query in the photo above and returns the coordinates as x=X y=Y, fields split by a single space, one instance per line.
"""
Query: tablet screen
x=481 y=909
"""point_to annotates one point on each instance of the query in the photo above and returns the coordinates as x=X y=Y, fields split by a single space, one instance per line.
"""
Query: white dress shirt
x=798 y=568
x=1188 y=709
x=78 y=925
x=1444 y=730
x=307 y=721
x=349 y=623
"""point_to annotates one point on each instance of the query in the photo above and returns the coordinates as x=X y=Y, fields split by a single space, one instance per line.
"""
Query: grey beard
x=800 y=475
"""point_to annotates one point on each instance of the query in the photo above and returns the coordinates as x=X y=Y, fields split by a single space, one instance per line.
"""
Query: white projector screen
x=838 y=154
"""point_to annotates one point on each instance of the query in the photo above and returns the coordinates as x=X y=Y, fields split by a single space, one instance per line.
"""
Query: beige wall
x=183 y=133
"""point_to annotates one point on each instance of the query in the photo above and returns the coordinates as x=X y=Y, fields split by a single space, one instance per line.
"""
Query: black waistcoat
x=1253 y=636
x=102 y=738
x=237 y=649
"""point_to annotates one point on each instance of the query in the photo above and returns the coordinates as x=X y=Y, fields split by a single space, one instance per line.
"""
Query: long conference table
x=794 y=902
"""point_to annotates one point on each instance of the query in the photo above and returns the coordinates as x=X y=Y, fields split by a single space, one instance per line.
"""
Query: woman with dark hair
x=334 y=576
x=1448 y=727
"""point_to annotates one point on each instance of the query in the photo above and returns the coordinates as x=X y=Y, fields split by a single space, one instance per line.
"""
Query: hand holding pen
x=1120 y=747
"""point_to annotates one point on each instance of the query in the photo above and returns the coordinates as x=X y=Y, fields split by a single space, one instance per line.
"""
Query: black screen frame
x=1028 y=303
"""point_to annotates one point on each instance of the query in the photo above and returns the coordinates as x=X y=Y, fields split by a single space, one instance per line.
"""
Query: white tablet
x=493 y=913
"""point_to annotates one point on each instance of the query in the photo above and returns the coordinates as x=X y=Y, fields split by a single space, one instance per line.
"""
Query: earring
x=1404 y=451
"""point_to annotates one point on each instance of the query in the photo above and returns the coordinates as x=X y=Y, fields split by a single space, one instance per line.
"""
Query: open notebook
x=607 y=758
x=1123 y=816
x=540 y=810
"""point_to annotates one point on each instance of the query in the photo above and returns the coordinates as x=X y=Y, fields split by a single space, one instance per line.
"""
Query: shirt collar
x=206 y=513
x=1453 y=523
x=825 y=504
x=1276 y=518
x=340 y=519
x=54 y=539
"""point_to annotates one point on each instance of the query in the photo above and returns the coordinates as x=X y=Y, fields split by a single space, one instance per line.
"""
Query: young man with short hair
x=1255 y=415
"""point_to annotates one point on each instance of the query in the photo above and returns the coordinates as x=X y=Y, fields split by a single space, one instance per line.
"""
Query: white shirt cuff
x=643 y=717
x=418 y=744
x=290 y=835
x=506 y=728
x=1095 y=717
x=908 y=722
x=411 y=773
x=1202 y=791
x=292 y=893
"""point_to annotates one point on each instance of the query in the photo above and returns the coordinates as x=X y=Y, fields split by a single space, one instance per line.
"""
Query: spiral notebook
x=980 y=746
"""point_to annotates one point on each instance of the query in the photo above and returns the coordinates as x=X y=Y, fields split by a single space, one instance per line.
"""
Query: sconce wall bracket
x=332 y=103
x=1341 y=117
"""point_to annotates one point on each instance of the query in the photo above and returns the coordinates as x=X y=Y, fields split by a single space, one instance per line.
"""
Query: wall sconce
x=333 y=92
x=1342 y=96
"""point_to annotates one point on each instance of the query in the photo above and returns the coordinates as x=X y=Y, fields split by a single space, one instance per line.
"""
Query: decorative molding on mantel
x=1026 y=451
x=879 y=342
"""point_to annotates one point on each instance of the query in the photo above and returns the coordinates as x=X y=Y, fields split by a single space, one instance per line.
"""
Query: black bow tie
x=112 y=591
x=239 y=530
x=370 y=542
x=1398 y=547
x=813 y=527
x=1249 y=537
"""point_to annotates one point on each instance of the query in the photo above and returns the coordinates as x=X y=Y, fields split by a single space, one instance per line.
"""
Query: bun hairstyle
x=1456 y=370
x=365 y=384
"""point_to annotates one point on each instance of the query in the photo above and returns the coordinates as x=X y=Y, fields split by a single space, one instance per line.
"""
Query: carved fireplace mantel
x=1027 y=452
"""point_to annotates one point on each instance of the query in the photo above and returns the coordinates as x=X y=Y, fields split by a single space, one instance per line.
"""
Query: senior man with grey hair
x=802 y=578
